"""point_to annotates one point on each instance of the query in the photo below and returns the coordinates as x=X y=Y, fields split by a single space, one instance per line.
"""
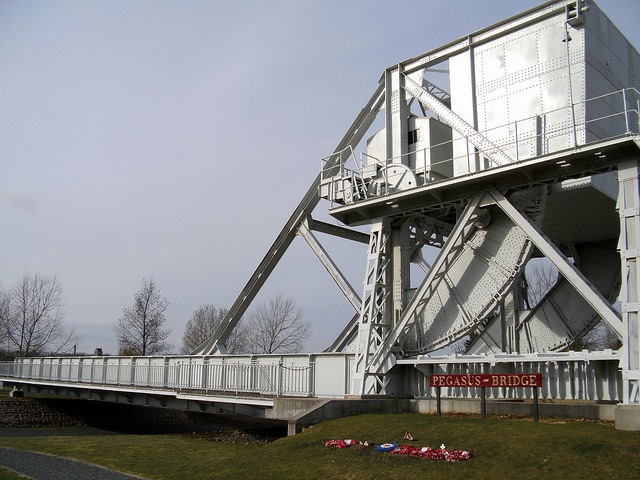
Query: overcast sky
x=172 y=140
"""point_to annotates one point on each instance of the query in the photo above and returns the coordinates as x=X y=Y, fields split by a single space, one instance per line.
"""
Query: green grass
x=6 y=474
x=501 y=448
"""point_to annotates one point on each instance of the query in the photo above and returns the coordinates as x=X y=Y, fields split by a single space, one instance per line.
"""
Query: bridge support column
x=629 y=248
x=374 y=315
x=628 y=417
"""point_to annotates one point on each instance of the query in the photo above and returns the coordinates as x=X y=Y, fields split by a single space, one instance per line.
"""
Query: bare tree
x=140 y=330
x=541 y=275
x=31 y=316
x=599 y=337
x=277 y=326
x=202 y=326
x=5 y=313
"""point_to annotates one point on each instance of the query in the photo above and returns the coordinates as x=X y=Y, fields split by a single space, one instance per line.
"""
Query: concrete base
x=328 y=409
x=514 y=408
x=628 y=417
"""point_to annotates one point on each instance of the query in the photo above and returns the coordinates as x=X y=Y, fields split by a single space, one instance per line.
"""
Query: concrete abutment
x=625 y=417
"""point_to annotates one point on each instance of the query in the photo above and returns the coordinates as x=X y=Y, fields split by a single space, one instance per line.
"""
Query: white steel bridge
x=569 y=375
x=294 y=387
x=518 y=142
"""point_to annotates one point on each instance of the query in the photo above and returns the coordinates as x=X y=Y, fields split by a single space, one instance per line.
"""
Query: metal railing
x=566 y=376
x=588 y=376
x=156 y=373
x=599 y=118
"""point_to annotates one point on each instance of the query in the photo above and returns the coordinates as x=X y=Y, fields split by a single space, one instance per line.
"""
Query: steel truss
x=629 y=247
x=486 y=196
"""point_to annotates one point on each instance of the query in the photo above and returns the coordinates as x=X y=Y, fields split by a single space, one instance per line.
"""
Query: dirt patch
x=243 y=437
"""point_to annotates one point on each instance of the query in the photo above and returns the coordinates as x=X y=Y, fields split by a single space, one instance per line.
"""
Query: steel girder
x=468 y=311
x=333 y=270
x=562 y=316
x=629 y=246
x=392 y=324
x=485 y=146
x=373 y=326
x=476 y=267
x=215 y=344
x=568 y=270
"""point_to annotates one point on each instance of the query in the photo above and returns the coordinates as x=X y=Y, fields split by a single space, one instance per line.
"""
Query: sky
x=172 y=140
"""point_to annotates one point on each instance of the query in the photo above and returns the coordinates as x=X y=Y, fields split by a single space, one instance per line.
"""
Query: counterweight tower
x=515 y=143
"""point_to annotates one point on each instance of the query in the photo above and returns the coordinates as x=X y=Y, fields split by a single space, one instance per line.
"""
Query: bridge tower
x=469 y=162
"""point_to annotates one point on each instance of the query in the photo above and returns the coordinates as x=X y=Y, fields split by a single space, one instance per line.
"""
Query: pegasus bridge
x=469 y=163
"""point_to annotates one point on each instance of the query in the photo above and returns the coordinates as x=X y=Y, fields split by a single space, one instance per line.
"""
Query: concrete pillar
x=628 y=417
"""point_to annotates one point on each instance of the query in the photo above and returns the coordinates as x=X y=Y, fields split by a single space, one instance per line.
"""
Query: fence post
x=626 y=112
x=132 y=376
x=205 y=374
x=165 y=373
x=516 y=140
x=237 y=377
x=312 y=379
x=80 y=369
x=104 y=370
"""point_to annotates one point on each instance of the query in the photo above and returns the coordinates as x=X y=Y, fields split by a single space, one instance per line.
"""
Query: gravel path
x=42 y=466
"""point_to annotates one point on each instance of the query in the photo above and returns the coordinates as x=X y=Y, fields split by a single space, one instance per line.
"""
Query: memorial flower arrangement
x=407 y=449
x=347 y=442
x=432 y=453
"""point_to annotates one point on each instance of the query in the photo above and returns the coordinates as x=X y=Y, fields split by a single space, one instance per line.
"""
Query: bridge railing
x=575 y=376
x=238 y=375
x=589 y=376
x=566 y=128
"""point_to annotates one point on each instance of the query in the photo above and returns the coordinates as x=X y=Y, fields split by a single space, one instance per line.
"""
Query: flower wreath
x=422 y=452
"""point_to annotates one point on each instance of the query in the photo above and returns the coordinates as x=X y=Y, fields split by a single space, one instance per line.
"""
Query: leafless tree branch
x=140 y=329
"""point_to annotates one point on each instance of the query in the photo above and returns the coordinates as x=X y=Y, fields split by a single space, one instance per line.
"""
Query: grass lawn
x=501 y=448
x=8 y=475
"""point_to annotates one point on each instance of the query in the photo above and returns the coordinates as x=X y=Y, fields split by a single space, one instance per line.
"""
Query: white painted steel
x=585 y=376
x=477 y=266
x=629 y=246
x=472 y=284
x=529 y=97
x=564 y=316
x=519 y=91
x=569 y=376
x=239 y=375
x=373 y=325
x=485 y=146
x=335 y=273
x=611 y=115
x=383 y=359
x=566 y=268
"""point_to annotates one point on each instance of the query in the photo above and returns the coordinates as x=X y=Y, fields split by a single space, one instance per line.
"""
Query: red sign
x=488 y=380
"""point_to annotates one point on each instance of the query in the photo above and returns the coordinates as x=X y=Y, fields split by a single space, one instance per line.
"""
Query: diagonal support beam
x=592 y=296
x=286 y=236
x=482 y=143
x=340 y=280
x=383 y=358
x=347 y=334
